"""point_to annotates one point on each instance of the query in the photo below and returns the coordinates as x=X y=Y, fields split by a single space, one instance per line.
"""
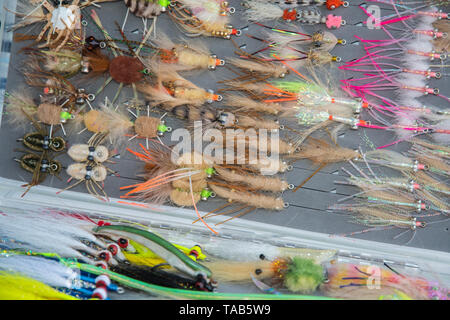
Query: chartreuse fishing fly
x=144 y=256
x=17 y=287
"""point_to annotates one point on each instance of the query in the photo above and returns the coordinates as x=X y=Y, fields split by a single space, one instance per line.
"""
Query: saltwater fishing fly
x=261 y=11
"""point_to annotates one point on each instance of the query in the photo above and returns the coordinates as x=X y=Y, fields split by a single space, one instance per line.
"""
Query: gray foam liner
x=308 y=206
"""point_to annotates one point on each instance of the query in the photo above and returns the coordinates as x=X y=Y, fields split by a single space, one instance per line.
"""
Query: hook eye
x=102 y=45
x=120 y=290
x=84 y=23
x=291 y=186
x=435 y=91
x=290 y=167
x=219 y=98
x=345 y=4
x=286 y=205
x=343 y=23
x=213 y=195
x=91 y=97
x=238 y=33
x=343 y=42
x=222 y=63
x=231 y=10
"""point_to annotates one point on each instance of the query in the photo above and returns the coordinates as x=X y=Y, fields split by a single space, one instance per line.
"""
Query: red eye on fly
x=122 y=242
x=113 y=248
x=105 y=255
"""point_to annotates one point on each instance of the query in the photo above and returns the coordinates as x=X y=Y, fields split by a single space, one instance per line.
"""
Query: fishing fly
x=91 y=169
x=261 y=11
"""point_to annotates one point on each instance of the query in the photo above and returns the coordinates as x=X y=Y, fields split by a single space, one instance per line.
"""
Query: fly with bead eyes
x=91 y=152
x=89 y=167
x=40 y=165
x=43 y=164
